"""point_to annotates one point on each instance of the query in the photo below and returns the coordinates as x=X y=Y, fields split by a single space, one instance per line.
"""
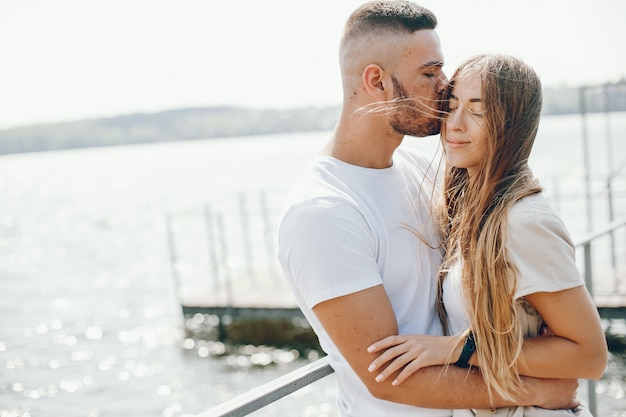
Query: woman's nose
x=454 y=121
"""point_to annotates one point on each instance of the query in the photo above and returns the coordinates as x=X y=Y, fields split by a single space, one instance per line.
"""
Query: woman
x=509 y=267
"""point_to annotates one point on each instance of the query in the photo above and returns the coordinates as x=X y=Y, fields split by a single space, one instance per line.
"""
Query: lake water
x=90 y=322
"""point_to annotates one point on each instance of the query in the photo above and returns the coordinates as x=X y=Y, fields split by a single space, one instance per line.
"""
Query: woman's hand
x=412 y=352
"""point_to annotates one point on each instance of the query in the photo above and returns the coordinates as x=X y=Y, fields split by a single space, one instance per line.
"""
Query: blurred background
x=146 y=147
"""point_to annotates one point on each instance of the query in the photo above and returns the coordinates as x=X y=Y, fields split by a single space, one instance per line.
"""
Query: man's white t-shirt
x=347 y=228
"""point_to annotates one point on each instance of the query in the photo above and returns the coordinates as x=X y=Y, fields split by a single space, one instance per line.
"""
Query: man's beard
x=408 y=119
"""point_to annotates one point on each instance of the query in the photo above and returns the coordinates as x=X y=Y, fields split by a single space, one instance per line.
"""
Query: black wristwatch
x=469 y=347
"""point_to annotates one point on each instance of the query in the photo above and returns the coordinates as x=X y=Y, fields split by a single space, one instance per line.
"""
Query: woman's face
x=465 y=133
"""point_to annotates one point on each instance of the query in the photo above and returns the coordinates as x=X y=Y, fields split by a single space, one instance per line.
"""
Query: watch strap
x=469 y=347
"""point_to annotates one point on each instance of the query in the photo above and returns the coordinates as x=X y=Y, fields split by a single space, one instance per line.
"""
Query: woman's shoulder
x=531 y=208
x=533 y=215
x=541 y=248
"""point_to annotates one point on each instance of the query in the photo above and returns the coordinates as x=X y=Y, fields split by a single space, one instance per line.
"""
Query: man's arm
x=357 y=320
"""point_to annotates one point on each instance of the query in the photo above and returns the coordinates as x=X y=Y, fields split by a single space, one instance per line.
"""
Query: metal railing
x=263 y=395
x=585 y=243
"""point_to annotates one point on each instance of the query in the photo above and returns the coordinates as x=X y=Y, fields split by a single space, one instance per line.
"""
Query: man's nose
x=442 y=82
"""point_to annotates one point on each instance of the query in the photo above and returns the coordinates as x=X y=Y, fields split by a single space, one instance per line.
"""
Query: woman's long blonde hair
x=474 y=214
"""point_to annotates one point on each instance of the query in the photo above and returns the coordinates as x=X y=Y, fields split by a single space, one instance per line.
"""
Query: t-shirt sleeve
x=327 y=250
x=541 y=249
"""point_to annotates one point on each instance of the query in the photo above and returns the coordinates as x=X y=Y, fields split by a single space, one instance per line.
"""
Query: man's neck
x=363 y=141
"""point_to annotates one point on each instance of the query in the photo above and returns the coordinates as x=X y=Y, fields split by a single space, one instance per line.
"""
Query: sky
x=66 y=60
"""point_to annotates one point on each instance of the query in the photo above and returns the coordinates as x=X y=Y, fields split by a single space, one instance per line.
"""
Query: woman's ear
x=374 y=82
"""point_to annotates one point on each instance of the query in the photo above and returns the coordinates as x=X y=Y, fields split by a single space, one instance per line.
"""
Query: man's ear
x=374 y=82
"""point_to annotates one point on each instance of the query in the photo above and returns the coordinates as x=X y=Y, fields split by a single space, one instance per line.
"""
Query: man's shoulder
x=317 y=186
x=317 y=194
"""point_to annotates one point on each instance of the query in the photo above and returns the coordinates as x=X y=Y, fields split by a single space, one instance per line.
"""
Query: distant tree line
x=220 y=122
x=595 y=99
x=181 y=124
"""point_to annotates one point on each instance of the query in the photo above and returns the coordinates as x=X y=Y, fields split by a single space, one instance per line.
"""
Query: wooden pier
x=262 y=311
x=269 y=315
x=224 y=267
x=609 y=307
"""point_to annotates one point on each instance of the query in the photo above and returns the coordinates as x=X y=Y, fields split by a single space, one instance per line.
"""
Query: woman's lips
x=456 y=143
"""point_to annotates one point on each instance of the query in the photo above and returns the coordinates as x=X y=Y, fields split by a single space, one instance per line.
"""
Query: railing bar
x=606 y=229
x=259 y=397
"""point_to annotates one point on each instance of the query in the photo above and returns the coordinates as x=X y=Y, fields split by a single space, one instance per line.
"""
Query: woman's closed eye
x=476 y=112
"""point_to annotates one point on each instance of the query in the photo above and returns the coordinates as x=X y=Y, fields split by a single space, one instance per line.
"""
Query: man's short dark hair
x=388 y=16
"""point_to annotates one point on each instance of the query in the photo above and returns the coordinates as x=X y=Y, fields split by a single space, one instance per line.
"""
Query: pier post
x=268 y=231
x=214 y=267
x=171 y=246
x=586 y=162
x=246 y=235
x=591 y=385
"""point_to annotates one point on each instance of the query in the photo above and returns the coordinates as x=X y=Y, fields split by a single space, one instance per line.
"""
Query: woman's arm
x=352 y=323
x=411 y=352
x=576 y=347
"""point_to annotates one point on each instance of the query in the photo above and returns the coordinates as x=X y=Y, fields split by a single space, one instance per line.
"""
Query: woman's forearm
x=557 y=357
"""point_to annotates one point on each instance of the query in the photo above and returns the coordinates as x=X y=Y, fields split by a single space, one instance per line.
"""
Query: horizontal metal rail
x=263 y=395
x=602 y=231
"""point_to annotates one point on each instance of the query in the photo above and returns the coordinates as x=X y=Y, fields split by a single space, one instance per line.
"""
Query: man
x=357 y=241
